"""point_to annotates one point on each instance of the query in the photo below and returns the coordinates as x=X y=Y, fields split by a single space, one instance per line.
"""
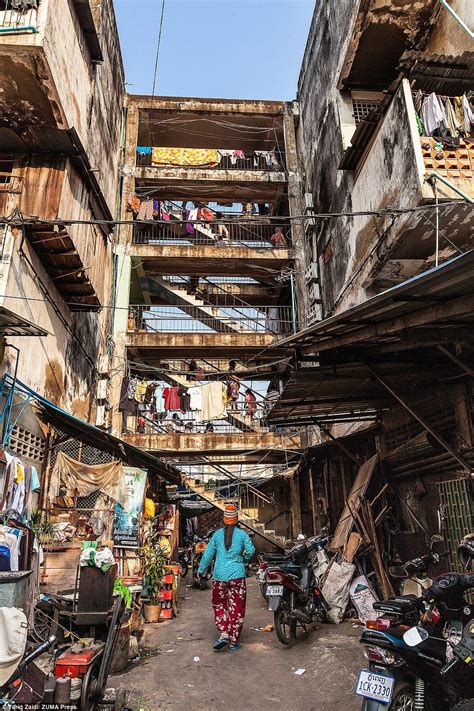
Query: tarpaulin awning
x=93 y=436
x=434 y=307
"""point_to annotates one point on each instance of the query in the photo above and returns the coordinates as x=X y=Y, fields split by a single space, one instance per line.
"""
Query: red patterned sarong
x=228 y=601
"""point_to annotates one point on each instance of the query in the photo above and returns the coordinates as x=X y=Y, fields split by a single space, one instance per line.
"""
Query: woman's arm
x=208 y=555
x=249 y=548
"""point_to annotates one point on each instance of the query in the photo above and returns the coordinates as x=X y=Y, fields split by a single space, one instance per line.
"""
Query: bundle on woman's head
x=231 y=515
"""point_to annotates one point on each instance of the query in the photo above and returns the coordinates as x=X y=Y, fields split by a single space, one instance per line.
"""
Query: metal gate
x=457 y=515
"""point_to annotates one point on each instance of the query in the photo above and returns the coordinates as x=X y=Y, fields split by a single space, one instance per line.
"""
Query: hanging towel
x=159 y=399
x=144 y=150
x=82 y=479
x=213 y=406
x=185 y=156
x=468 y=115
x=433 y=114
x=454 y=126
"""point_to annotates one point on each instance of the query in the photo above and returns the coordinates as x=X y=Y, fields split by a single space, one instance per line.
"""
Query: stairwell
x=247 y=517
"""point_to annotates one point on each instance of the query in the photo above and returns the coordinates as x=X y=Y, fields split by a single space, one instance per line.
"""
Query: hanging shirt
x=172 y=400
x=433 y=114
x=159 y=399
x=140 y=391
x=468 y=115
x=195 y=398
x=19 y=490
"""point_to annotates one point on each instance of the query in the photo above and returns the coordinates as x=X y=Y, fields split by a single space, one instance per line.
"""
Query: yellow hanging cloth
x=185 y=156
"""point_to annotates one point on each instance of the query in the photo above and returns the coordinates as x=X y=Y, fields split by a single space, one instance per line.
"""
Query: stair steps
x=247 y=517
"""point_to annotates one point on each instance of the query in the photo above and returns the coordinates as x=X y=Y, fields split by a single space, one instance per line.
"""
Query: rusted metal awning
x=53 y=415
x=337 y=393
x=13 y=325
x=436 y=307
x=443 y=74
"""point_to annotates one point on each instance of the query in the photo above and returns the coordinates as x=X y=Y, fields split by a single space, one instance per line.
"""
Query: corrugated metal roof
x=444 y=74
x=384 y=317
x=35 y=139
x=13 y=325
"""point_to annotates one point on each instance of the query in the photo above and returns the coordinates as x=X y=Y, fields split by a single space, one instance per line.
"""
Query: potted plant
x=155 y=561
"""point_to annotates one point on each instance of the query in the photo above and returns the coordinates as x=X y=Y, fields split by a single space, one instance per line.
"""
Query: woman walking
x=231 y=548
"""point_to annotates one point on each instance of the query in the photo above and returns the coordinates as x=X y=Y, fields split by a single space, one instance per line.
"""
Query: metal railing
x=15 y=20
x=149 y=423
x=10 y=183
x=273 y=161
x=252 y=234
x=275 y=320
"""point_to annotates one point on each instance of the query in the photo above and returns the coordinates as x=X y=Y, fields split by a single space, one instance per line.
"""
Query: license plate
x=375 y=686
x=274 y=590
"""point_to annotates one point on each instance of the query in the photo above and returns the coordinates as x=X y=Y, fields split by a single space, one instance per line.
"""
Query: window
x=362 y=108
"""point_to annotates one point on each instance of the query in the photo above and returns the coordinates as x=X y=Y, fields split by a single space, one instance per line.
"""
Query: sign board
x=126 y=531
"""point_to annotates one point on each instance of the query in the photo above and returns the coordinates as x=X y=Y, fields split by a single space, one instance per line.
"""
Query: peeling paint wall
x=391 y=171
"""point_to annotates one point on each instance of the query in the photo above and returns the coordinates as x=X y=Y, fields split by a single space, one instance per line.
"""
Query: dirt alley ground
x=260 y=676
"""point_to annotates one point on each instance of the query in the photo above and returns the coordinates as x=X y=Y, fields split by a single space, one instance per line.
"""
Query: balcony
x=266 y=448
x=387 y=150
x=272 y=320
x=16 y=21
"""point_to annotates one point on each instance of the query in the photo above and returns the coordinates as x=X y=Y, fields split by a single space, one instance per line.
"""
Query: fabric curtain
x=82 y=479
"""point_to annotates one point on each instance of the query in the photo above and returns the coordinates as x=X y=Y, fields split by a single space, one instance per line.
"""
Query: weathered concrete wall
x=49 y=79
x=55 y=365
x=447 y=36
x=391 y=172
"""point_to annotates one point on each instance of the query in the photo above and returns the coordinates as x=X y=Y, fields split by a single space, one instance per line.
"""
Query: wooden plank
x=358 y=490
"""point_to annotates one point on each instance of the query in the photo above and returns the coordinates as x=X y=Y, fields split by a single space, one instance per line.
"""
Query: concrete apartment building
x=61 y=110
x=209 y=295
x=380 y=373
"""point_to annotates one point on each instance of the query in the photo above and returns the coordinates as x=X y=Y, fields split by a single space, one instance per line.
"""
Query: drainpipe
x=436 y=176
x=447 y=7
x=18 y=30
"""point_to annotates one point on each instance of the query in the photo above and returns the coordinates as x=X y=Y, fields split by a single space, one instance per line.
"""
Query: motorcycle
x=414 y=573
x=293 y=591
x=184 y=558
x=407 y=677
x=198 y=548
x=320 y=562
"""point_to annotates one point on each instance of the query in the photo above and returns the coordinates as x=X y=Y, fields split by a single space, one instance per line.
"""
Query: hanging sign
x=126 y=530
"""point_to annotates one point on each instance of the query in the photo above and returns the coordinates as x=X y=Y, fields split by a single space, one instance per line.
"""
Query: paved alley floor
x=259 y=676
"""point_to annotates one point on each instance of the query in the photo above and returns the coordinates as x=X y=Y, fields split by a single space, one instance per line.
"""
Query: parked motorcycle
x=184 y=558
x=409 y=677
x=293 y=591
x=319 y=561
x=414 y=573
x=198 y=548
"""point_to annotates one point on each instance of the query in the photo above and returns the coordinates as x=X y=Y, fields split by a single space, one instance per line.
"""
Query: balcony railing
x=253 y=235
x=212 y=159
x=16 y=20
x=273 y=320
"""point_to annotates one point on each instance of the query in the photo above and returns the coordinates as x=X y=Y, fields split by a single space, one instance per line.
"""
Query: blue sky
x=246 y=49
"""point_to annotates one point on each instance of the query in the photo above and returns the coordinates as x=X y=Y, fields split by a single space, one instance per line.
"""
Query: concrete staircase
x=247 y=517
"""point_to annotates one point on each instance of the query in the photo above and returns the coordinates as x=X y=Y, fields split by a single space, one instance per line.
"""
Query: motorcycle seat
x=396 y=606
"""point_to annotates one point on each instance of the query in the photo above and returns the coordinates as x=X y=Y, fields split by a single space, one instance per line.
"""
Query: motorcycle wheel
x=285 y=630
x=403 y=698
x=184 y=568
x=263 y=587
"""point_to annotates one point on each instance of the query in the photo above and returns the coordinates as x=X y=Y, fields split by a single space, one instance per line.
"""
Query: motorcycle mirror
x=415 y=636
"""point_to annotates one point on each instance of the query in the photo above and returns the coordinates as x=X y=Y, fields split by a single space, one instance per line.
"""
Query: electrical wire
x=158 y=45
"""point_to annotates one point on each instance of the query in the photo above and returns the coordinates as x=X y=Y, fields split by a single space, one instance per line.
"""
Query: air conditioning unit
x=311 y=272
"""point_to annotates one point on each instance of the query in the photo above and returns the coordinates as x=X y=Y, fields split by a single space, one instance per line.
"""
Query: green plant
x=124 y=593
x=155 y=562
x=43 y=530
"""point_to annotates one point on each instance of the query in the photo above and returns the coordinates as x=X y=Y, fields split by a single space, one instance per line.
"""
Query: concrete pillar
x=296 y=207
x=123 y=268
x=295 y=504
